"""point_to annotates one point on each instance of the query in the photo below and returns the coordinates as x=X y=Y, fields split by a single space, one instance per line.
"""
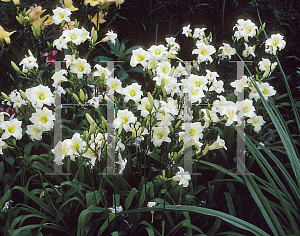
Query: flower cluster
x=157 y=119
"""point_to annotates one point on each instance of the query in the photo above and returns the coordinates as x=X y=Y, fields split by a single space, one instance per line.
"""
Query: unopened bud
x=94 y=35
x=178 y=124
x=5 y=96
x=151 y=101
x=205 y=150
x=89 y=118
x=81 y=94
x=23 y=95
x=15 y=66
x=103 y=122
x=172 y=71
x=92 y=128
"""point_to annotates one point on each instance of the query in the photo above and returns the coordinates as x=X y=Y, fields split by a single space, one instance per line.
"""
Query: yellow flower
x=117 y=2
x=69 y=4
x=94 y=2
x=42 y=22
x=101 y=19
x=48 y=21
x=34 y=12
x=4 y=35
x=16 y=2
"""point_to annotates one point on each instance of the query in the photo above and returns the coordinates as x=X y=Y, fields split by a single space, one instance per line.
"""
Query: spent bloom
x=182 y=177
x=16 y=98
x=116 y=209
x=122 y=163
x=266 y=66
x=3 y=145
x=110 y=36
x=248 y=51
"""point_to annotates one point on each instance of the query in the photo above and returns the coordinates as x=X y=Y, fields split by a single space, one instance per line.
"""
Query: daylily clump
x=157 y=119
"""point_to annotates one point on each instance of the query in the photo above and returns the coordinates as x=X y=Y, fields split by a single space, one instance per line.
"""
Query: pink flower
x=51 y=56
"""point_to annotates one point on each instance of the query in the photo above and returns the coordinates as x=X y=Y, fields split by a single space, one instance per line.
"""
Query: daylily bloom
x=275 y=42
x=69 y=4
x=16 y=2
x=117 y=2
x=182 y=177
x=100 y=19
x=160 y=134
x=43 y=119
x=34 y=132
x=93 y=2
x=4 y=35
x=257 y=122
x=61 y=14
x=11 y=128
x=220 y=143
x=33 y=13
x=187 y=31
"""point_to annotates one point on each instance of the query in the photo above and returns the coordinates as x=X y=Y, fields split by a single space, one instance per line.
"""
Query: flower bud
x=172 y=71
x=5 y=96
x=81 y=94
x=120 y=129
x=103 y=122
x=178 y=124
x=205 y=150
x=23 y=95
x=92 y=128
x=76 y=98
x=94 y=35
x=89 y=118
x=20 y=19
x=171 y=129
x=151 y=101
x=30 y=53
x=15 y=66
